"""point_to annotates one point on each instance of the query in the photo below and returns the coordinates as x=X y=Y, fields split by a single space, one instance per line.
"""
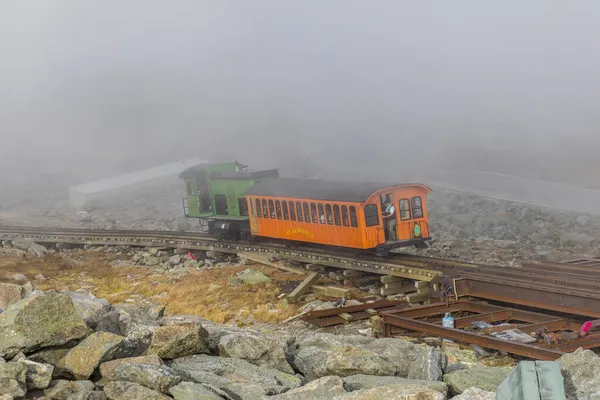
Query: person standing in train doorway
x=389 y=219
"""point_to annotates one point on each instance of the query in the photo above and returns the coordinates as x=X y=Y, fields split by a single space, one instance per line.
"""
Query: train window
x=329 y=214
x=345 y=220
x=221 y=204
x=292 y=211
x=307 y=213
x=371 y=215
x=417 y=207
x=313 y=212
x=353 y=218
x=243 y=207
x=271 y=209
x=265 y=209
x=190 y=188
x=404 y=209
x=278 y=208
x=258 y=209
x=284 y=206
x=336 y=215
x=321 y=214
x=299 y=211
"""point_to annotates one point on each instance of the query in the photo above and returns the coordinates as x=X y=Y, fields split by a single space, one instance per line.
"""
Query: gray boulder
x=31 y=248
x=131 y=391
x=252 y=277
x=396 y=392
x=10 y=294
x=475 y=394
x=175 y=341
x=156 y=377
x=67 y=390
x=429 y=366
x=38 y=375
x=256 y=349
x=197 y=391
x=38 y=321
x=325 y=354
x=358 y=382
x=322 y=388
x=231 y=374
x=12 y=252
x=581 y=373
x=13 y=379
x=90 y=308
x=108 y=368
x=486 y=378
x=82 y=360
x=132 y=322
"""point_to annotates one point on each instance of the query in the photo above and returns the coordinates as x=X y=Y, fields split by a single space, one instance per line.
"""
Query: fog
x=271 y=82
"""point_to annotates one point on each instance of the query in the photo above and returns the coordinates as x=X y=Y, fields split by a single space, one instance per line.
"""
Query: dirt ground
x=204 y=293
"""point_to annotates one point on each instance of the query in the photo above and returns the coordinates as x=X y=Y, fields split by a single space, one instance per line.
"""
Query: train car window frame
x=278 y=209
x=221 y=206
x=292 y=211
x=353 y=217
x=371 y=215
x=243 y=207
x=271 y=209
x=299 y=212
x=417 y=209
x=190 y=187
x=321 y=214
x=329 y=214
x=258 y=208
x=404 y=207
x=251 y=201
x=307 y=212
x=313 y=213
x=265 y=208
x=337 y=217
x=284 y=208
x=345 y=218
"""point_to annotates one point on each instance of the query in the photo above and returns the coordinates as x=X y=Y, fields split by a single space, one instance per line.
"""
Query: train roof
x=325 y=190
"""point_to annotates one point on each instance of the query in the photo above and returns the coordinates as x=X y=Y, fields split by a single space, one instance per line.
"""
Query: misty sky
x=169 y=78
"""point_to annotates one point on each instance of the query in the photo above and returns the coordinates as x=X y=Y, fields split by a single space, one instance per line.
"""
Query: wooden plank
x=351 y=272
x=391 y=279
x=422 y=284
x=397 y=289
x=371 y=311
x=417 y=297
x=303 y=287
x=259 y=258
x=331 y=291
x=346 y=317
x=407 y=286
x=315 y=267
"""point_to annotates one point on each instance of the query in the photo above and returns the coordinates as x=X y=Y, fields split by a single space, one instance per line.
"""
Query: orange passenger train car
x=340 y=213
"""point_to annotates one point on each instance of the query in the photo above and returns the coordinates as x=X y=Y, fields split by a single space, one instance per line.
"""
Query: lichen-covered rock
x=483 y=378
x=13 y=379
x=31 y=248
x=358 y=382
x=394 y=392
x=67 y=390
x=322 y=388
x=38 y=375
x=231 y=374
x=49 y=356
x=131 y=391
x=108 y=368
x=90 y=308
x=82 y=360
x=38 y=321
x=581 y=372
x=475 y=394
x=157 y=377
x=429 y=366
x=252 y=277
x=326 y=354
x=175 y=341
x=10 y=294
x=132 y=322
x=256 y=349
x=197 y=391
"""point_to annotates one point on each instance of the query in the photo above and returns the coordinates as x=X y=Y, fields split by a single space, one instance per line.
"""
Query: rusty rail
x=331 y=316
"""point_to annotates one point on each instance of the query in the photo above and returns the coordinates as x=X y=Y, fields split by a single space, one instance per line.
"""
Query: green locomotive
x=216 y=195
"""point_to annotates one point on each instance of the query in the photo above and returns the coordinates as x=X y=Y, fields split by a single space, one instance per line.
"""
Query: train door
x=389 y=217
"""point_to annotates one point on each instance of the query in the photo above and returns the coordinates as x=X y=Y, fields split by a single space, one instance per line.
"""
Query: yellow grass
x=202 y=293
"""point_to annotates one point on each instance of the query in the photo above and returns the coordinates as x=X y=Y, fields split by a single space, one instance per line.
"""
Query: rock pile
x=66 y=345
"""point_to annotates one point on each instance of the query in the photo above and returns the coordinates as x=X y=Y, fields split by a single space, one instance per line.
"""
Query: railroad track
x=557 y=286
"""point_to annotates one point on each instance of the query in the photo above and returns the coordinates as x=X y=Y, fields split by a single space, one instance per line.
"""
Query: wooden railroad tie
x=331 y=291
x=303 y=287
